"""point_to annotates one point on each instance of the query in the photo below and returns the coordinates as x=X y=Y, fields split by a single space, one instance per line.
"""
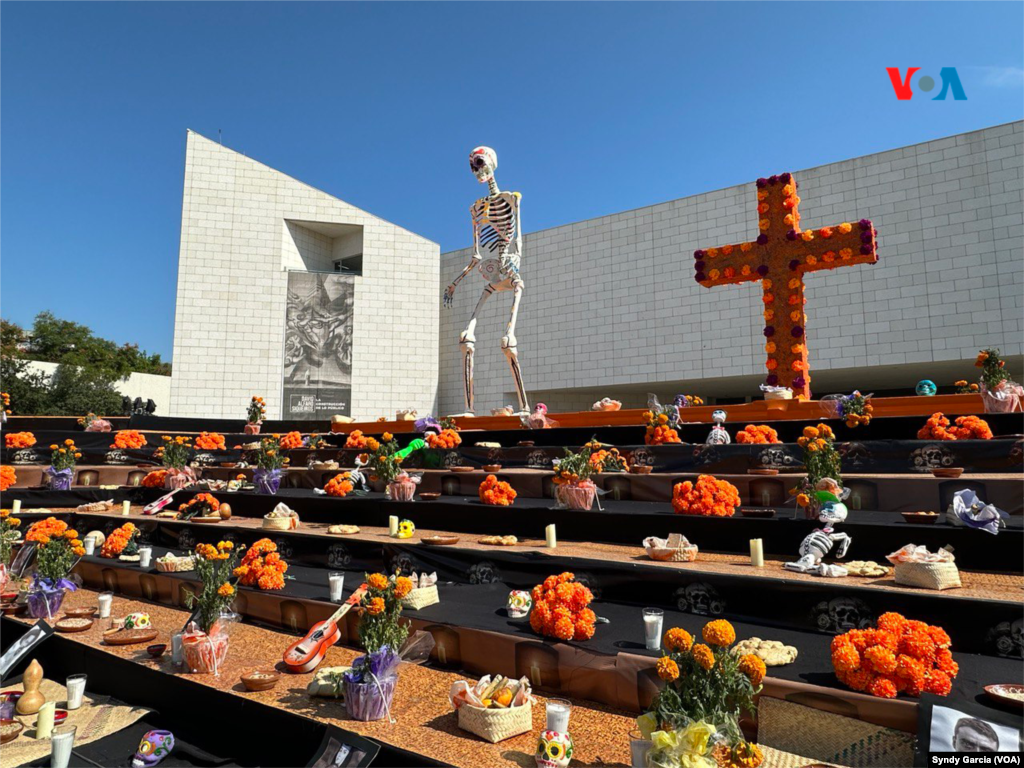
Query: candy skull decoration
x=926 y=388
x=519 y=603
x=135 y=621
x=406 y=529
x=554 y=750
x=154 y=747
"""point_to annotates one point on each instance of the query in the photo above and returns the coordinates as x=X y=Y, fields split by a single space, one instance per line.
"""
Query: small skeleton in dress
x=498 y=231
x=820 y=541
x=719 y=435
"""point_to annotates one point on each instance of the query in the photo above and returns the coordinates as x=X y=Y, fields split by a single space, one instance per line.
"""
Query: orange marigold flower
x=704 y=656
x=403 y=586
x=753 y=667
x=678 y=640
x=883 y=687
x=225 y=590
x=719 y=632
x=881 y=659
x=376 y=606
x=667 y=669
x=845 y=658
x=377 y=581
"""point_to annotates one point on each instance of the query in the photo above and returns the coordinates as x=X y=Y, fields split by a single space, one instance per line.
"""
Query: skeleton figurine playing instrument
x=497 y=248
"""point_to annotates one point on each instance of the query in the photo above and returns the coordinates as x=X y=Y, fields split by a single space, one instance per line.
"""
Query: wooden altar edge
x=986 y=586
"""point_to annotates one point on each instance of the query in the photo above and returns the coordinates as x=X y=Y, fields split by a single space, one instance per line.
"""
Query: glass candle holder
x=337 y=582
x=558 y=715
x=61 y=742
x=76 y=690
x=654 y=619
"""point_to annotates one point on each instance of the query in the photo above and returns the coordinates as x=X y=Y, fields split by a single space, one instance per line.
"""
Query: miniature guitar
x=156 y=506
x=306 y=654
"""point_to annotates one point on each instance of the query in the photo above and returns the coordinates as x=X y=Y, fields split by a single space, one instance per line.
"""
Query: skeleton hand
x=449 y=295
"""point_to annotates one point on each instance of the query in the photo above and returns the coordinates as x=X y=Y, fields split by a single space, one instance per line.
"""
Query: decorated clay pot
x=252 y=428
x=401 y=491
x=370 y=700
x=205 y=654
x=578 y=497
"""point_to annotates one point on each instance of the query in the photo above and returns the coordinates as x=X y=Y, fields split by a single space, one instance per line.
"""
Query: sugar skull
x=135 y=621
x=554 y=750
x=519 y=603
x=154 y=747
x=926 y=388
x=483 y=162
x=406 y=529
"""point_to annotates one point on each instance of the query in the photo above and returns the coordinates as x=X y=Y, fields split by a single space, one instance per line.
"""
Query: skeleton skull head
x=483 y=572
x=554 y=750
x=701 y=599
x=719 y=417
x=483 y=162
x=842 y=614
x=519 y=603
x=926 y=388
x=154 y=747
x=832 y=512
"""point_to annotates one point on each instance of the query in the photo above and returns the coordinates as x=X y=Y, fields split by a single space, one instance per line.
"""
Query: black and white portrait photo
x=955 y=731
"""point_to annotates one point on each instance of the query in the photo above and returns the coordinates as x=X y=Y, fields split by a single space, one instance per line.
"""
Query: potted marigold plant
x=254 y=415
x=383 y=461
x=606 y=459
x=58 y=549
x=573 y=486
x=8 y=535
x=694 y=719
x=824 y=469
x=998 y=391
x=205 y=640
x=270 y=466
x=174 y=455
x=370 y=684
x=61 y=471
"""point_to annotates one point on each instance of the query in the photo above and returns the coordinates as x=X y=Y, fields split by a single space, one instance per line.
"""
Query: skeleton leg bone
x=467 y=342
x=508 y=346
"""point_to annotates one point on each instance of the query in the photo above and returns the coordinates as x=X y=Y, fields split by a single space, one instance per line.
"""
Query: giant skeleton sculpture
x=497 y=230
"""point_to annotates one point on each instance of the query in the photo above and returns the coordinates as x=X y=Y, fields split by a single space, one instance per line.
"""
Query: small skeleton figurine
x=357 y=478
x=719 y=435
x=497 y=229
x=820 y=541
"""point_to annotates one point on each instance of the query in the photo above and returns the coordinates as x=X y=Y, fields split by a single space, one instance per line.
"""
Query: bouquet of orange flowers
x=963 y=388
x=898 y=656
x=658 y=430
x=210 y=441
x=356 y=441
x=214 y=564
x=5 y=403
x=609 y=460
x=381 y=606
x=129 y=438
x=709 y=496
x=8 y=535
x=257 y=410
x=496 y=492
x=561 y=608
x=291 y=440
x=200 y=505
x=155 y=479
x=262 y=566
x=448 y=438
x=19 y=440
x=8 y=477
x=339 y=486
x=964 y=428
x=118 y=542
x=383 y=461
x=757 y=434
x=58 y=548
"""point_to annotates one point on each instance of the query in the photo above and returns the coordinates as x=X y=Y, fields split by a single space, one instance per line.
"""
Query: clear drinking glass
x=638 y=749
x=558 y=715
x=61 y=742
x=337 y=582
x=654 y=619
x=76 y=690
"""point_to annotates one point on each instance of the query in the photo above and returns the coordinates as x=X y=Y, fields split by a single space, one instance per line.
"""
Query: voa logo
x=947 y=75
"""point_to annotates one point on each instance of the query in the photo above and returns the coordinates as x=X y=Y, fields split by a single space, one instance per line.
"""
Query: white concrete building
x=148 y=386
x=244 y=227
x=611 y=306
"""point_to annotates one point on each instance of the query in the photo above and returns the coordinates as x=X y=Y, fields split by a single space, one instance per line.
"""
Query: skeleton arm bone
x=843 y=540
x=449 y=292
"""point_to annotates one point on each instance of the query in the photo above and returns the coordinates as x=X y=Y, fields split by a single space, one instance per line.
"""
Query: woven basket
x=496 y=725
x=280 y=523
x=685 y=553
x=421 y=597
x=927 y=575
x=177 y=566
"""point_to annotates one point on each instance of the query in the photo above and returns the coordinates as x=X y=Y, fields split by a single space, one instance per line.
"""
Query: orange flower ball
x=678 y=640
x=719 y=632
x=753 y=667
x=709 y=496
x=704 y=656
x=667 y=669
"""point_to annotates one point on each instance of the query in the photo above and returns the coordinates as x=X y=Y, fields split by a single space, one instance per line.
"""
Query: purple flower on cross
x=769 y=331
x=762 y=270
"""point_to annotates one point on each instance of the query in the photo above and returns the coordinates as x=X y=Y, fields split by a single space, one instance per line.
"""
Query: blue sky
x=593 y=109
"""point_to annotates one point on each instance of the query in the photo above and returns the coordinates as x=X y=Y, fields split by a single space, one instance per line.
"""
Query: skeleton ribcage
x=817 y=543
x=495 y=220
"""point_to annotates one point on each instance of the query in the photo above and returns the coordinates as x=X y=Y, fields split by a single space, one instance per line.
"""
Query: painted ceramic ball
x=926 y=388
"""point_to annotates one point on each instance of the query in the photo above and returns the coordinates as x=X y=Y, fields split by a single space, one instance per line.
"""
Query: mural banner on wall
x=318 y=346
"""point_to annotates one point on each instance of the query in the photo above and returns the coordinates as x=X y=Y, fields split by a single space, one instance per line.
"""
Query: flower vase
x=267 y=481
x=252 y=428
x=58 y=479
x=578 y=497
x=371 y=699
x=399 y=491
x=1004 y=398
x=205 y=654
x=44 y=602
x=178 y=478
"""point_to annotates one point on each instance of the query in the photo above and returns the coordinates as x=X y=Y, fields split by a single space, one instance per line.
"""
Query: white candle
x=126 y=508
x=654 y=618
x=757 y=553
x=766 y=499
x=44 y=721
x=16 y=506
x=177 y=648
x=105 y=600
x=337 y=582
x=90 y=545
x=558 y=715
x=442 y=656
x=145 y=555
x=61 y=743
x=393 y=525
x=855 y=501
x=550 y=537
x=535 y=677
x=76 y=691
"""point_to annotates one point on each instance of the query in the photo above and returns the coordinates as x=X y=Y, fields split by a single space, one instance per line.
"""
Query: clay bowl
x=440 y=541
x=492 y=467
x=80 y=613
x=1005 y=693
x=757 y=512
x=73 y=624
x=9 y=609
x=948 y=472
x=128 y=636
x=526 y=443
x=430 y=496
x=762 y=471
x=59 y=716
x=462 y=469
x=9 y=730
x=921 y=518
x=260 y=680
x=9 y=597
x=640 y=469
x=156 y=650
